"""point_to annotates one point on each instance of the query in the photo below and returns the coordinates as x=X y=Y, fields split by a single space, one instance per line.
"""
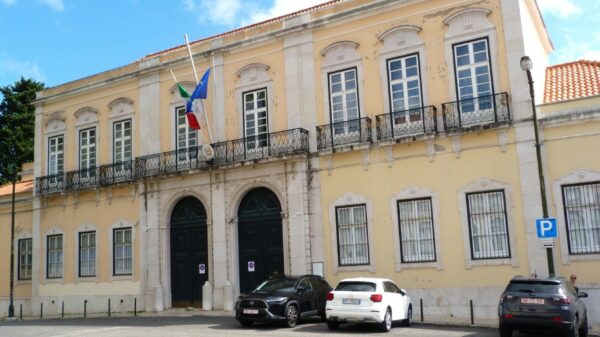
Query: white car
x=368 y=300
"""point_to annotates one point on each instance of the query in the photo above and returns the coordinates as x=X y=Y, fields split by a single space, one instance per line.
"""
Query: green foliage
x=17 y=126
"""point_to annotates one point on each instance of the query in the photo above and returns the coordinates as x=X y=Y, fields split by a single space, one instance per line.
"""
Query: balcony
x=80 y=179
x=116 y=173
x=50 y=184
x=483 y=111
x=350 y=132
x=281 y=143
x=406 y=123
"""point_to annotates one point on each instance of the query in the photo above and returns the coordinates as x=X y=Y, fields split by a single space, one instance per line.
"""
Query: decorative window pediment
x=400 y=37
x=55 y=122
x=188 y=85
x=86 y=115
x=467 y=21
x=340 y=52
x=120 y=107
x=253 y=73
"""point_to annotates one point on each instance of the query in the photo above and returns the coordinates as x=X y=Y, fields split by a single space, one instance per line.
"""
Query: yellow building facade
x=354 y=138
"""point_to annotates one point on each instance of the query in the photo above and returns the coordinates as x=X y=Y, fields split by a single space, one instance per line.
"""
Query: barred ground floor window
x=488 y=228
x=415 y=220
x=353 y=241
x=582 y=214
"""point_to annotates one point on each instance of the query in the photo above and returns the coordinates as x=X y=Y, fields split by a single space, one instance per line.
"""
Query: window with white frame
x=87 y=254
x=582 y=214
x=473 y=75
x=87 y=151
x=122 y=141
x=122 y=258
x=187 y=138
x=25 y=259
x=405 y=88
x=415 y=219
x=55 y=155
x=54 y=256
x=343 y=98
x=353 y=241
x=255 y=119
x=488 y=228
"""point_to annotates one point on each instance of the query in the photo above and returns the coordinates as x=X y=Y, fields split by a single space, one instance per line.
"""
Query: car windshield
x=537 y=287
x=356 y=286
x=278 y=284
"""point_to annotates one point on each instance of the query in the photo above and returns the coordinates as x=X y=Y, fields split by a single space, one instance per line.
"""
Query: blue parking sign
x=546 y=228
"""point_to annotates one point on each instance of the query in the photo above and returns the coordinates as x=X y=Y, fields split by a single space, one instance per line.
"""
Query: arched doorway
x=189 y=253
x=260 y=238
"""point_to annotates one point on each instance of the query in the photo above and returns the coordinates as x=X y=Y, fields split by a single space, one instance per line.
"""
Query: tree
x=17 y=127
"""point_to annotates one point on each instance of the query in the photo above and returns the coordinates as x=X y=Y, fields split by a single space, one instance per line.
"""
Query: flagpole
x=197 y=81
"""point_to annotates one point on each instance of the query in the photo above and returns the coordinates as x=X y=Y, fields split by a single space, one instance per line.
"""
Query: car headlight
x=277 y=300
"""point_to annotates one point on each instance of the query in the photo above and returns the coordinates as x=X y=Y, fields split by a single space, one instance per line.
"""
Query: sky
x=58 y=41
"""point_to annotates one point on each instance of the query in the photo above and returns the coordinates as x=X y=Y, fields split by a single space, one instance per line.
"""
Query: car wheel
x=408 y=320
x=505 y=331
x=583 y=331
x=333 y=325
x=291 y=316
x=574 y=331
x=245 y=322
x=386 y=325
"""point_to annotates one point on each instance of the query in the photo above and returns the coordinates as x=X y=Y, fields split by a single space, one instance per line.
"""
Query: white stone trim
x=86 y=117
x=398 y=42
x=466 y=25
x=254 y=76
x=121 y=107
x=416 y=193
x=88 y=227
x=350 y=199
x=576 y=177
x=54 y=230
x=483 y=185
x=122 y=223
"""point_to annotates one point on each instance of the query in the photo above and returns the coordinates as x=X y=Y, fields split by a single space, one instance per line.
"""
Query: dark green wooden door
x=260 y=238
x=189 y=250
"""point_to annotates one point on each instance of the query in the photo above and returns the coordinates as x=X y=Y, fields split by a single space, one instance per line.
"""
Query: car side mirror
x=402 y=292
x=582 y=294
x=301 y=289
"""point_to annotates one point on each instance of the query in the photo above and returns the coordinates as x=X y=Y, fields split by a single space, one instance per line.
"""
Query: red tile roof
x=258 y=24
x=572 y=80
x=20 y=187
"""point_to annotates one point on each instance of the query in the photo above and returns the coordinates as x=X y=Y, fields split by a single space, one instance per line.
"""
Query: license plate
x=532 y=300
x=354 y=301
x=251 y=311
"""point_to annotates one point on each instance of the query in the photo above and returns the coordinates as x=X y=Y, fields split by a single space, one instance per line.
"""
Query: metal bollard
x=109 y=307
x=84 y=308
x=421 y=306
x=472 y=316
x=62 y=310
x=135 y=306
x=41 y=310
x=21 y=311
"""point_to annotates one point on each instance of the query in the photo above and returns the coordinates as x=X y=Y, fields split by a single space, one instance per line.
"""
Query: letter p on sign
x=546 y=228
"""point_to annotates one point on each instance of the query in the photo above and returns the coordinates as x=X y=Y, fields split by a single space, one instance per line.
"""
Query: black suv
x=283 y=299
x=551 y=304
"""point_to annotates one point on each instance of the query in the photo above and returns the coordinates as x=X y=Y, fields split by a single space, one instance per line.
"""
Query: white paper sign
x=251 y=266
x=202 y=268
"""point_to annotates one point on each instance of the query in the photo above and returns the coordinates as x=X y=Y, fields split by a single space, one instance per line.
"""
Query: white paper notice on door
x=251 y=266
x=201 y=268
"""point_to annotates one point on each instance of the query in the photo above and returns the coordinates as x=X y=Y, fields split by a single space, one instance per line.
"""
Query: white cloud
x=9 y=2
x=561 y=8
x=57 y=5
x=10 y=67
x=237 y=13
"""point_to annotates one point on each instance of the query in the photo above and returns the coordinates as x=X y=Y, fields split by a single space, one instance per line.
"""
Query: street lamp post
x=11 y=307
x=527 y=65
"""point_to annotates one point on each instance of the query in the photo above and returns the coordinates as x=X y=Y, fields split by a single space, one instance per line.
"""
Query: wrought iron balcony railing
x=354 y=131
x=476 y=111
x=53 y=183
x=84 y=178
x=228 y=152
x=116 y=173
x=406 y=123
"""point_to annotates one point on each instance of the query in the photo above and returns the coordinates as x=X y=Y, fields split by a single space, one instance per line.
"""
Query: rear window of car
x=356 y=286
x=534 y=287
x=278 y=284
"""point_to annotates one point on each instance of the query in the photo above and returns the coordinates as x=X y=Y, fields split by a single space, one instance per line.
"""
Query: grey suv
x=551 y=304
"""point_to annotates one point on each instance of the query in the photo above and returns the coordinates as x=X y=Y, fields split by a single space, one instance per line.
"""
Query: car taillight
x=562 y=300
x=507 y=316
x=557 y=319
x=376 y=297
x=506 y=297
x=330 y=296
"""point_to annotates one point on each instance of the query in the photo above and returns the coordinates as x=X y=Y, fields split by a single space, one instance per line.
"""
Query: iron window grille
x=415 y=219
x=122 y=252
x=582 y=214
x=25 y=259
x=54 y=256
x=488 y=228
x=87 y=254
x=353 y=239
